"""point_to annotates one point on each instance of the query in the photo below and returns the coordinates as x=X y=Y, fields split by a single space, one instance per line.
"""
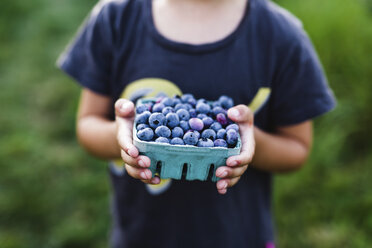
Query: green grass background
x=52 y=194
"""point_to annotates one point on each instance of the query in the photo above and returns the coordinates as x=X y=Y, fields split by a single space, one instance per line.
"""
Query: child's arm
x=285 y=150
x=289 y=148
x=95 y=132
x=108 y=139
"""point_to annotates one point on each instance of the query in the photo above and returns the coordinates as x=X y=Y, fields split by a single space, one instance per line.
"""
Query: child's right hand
x=136 y=165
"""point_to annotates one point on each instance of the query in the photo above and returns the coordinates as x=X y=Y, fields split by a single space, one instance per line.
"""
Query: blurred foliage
x=52 y=194
x=329 y=202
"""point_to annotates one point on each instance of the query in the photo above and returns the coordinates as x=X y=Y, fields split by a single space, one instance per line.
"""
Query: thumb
x=240 y=113
x=124 y=108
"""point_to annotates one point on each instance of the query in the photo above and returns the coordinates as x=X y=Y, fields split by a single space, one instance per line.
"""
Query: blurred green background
x=52 y=194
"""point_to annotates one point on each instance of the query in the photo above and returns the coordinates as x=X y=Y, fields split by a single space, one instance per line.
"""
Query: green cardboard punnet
x=168 y=161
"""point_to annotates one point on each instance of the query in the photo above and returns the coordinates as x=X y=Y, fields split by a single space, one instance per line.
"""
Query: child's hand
x=135 y=165
x=237 y=165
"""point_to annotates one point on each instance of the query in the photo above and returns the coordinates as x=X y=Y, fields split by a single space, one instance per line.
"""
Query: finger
x=139 y=162
x=228 y=172
x=125 y=141
x=247 y=151
x=155 y=180
x=137 y=173
x=143 y=174
x=240 y=113
x=144 y=161
x=222 y=191
x=124 y=108
x=223 y=184
x=231 y=182
x=244 y=158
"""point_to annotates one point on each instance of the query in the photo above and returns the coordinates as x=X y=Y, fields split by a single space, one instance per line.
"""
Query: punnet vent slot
x=184 y=171
x=211 y=172
x=158 y=167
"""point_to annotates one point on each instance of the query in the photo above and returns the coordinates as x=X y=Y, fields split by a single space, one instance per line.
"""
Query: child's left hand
x=237 y=165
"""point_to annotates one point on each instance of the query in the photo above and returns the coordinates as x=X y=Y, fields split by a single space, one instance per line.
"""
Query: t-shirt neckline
x=193 y=48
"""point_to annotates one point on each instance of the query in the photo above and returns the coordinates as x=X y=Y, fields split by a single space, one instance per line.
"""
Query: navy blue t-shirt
x=267 y=62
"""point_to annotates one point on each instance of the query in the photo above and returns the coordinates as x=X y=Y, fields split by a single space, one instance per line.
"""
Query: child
x=253 y=51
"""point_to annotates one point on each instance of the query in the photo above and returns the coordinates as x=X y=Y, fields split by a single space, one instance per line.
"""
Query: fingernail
x=131 y=152
x=234 y=163
x=222 y=185
x=125 y=106
x=143 y=175
x=141 y=163
x=234 y=112
x=148 y=174
x=223 y=174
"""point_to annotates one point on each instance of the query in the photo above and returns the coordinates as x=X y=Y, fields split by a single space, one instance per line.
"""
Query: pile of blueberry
x=184 y=120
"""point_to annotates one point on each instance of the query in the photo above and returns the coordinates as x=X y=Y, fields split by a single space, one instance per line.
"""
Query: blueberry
x=167 y=110
x=216 y=104
x=190 y=138
x=216 y=126
x=156 y=119
x=142 y=126
x=203 y=108
x=220 y=143
x=176 y=101
x=221 y=118
x=142 y=108
x=187 y=106
x=168 y=102
x=172 y=120
x=145 y=134
x=232 y=137
x=201 y=100
x=184 y=125
x=196 y=133
x=226 y=102
x=217 y=110
x=196 y=124
x=143 y=118
x=183 y=114
x=193 y=113
x=209 y=134
x=177 y=141
x=185 y=97
x=179 y=106
x=221 y=134
x=162 y=140
x=158 y=107
x=201 y=116
x=191 y=101
x=163 y=131
x=232 y=126
x=205 y=143
x=207 y=121
x=177 y=132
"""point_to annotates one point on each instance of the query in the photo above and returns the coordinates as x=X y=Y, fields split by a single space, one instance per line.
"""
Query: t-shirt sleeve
x=300 y=88
x=88 y=57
